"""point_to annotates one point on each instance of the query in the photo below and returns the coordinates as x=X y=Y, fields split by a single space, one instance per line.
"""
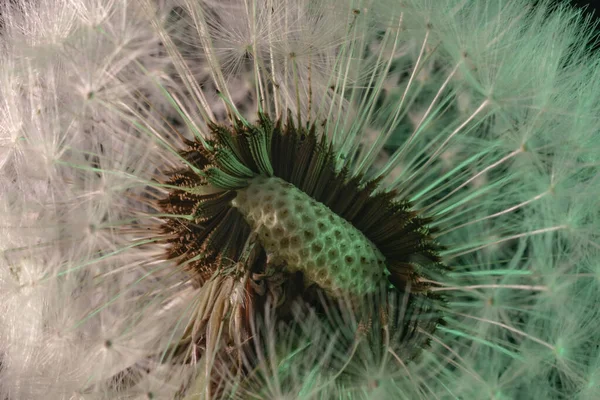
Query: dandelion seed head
x=131 y=134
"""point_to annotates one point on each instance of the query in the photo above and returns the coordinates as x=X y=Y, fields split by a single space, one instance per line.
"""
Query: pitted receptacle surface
x=305 y=235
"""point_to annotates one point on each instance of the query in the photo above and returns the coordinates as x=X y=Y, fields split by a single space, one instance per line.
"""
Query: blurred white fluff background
x=485 y=113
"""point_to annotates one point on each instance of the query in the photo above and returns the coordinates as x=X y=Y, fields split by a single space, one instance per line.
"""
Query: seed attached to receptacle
x=275 y=197
x=285 y=183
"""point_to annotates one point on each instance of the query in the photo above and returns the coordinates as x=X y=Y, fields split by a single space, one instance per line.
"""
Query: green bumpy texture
x=305 y=235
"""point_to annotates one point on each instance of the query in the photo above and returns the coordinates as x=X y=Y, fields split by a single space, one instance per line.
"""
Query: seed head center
x=302 y=234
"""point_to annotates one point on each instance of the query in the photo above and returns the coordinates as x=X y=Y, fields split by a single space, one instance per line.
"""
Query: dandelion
x=298 y=200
